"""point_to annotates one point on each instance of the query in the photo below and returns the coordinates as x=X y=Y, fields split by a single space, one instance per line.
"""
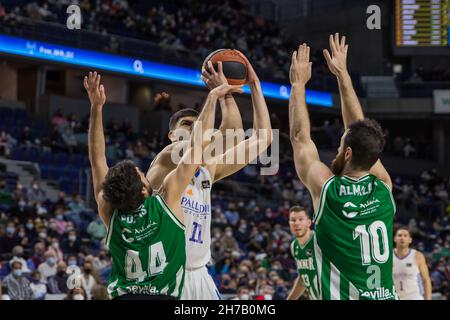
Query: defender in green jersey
x=145 y=233
x=302 y=249
x=354 y=208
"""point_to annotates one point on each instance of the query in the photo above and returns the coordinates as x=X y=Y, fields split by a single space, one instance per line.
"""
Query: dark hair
x=366 y=138
x=181 y=114
x=298 y=209
x=404 y=228
x=122 y=187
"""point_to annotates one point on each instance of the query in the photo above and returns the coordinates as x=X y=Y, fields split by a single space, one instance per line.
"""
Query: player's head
x=361 y=146
x=183 y=119
x=403 y=237
x=125 y=186
x=299 y=221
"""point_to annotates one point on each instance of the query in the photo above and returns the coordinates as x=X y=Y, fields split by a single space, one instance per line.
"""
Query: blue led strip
x=130 y=66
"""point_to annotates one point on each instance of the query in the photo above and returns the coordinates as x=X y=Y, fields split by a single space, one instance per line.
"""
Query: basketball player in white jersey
x=196 y=201
x=411 y=277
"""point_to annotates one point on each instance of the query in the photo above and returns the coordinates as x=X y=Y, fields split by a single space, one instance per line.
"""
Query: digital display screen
x=136 y=67
x=422 y=24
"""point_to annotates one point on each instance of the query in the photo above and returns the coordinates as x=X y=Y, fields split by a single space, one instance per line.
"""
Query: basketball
x=234 y=66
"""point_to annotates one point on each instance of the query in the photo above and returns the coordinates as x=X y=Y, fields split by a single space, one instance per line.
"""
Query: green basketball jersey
x=148 y=251
x=353 y=242
x=306 y=265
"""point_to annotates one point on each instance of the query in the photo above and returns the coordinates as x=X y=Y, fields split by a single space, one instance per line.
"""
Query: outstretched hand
x=213 y=78
x=337 y=61
x=300 y=71
x=95 y=90
x=252 y=77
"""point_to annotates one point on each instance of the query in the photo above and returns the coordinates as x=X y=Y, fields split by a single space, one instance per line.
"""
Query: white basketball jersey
x=407 y=278
x=196 y=206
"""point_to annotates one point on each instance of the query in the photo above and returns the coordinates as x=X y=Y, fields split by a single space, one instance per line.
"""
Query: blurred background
x=48 y=218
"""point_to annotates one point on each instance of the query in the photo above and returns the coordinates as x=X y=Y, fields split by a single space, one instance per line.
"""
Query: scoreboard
x=422 y=24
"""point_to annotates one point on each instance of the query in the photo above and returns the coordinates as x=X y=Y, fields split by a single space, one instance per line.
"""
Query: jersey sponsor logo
x=206 y=184
x=409 y=265
x=305 y=264
x=378 y=294
x=146 y=289
x=194 y=206
x=309 y=252
x=139 y=233
x=351 y=214
x=355 y=190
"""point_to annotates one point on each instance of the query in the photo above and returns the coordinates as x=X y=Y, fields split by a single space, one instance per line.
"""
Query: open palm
x=337 y=61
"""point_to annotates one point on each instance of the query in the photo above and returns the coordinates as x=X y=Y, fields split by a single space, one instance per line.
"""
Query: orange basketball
x=234 y=66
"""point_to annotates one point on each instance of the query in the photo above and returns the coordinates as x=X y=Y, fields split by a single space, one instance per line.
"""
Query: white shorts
x=199 y=285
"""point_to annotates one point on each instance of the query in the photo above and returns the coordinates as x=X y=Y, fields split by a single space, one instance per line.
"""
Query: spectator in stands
x=71 y=244
x=37 y=286
x=47 y=268
x=35 y=193
x=16 y=284
x=232 y=215
x=88 y=281
x=96 y=229
x=76 y=294
x=69 y=139
x=10 y=239
x=77 y=204
x=228 y=285
x=6 y=197
x=17 y=254
x=57 y=284
x=26 y=138
x=38 y=255
x=55 y=250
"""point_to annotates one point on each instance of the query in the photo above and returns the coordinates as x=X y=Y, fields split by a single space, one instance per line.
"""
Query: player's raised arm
x=96 y=141
x=261 y=137
x=231 y=116
x=311 y=171
x=177 y=180
x=351 y=107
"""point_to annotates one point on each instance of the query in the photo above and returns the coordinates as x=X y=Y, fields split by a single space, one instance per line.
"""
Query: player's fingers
x=97 y=82
x=102 y=90
x=336 y=40
x=327 y=56
x=294 y=57
x=343 y=42
x=308 y=49
x=332 y=47
x=211 y=68
x=236 y=88
x=85 y=83
x=220 y=68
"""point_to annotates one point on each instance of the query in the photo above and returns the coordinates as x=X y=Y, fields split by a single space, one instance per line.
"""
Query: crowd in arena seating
x=40 y=239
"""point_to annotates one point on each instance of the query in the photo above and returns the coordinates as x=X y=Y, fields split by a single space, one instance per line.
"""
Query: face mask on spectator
x=30 y=226
x=55 y=245
x=229 y=234
x=51 y=261
x=43 y=235
x=72 y=238
x=17 y=273
x=72 y=262
x=22 y=203
x=244 y=297
x=61 y=273
x=10 y=230
x=21 y=234
x=226 y=282
x=78 y=296
x=267 y=297
x=60 y=217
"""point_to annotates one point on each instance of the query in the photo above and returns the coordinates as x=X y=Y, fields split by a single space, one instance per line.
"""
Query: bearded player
x=302 y=249
x=145 y=234
x=411 y=276
x=354 y=208
x=196 y=199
